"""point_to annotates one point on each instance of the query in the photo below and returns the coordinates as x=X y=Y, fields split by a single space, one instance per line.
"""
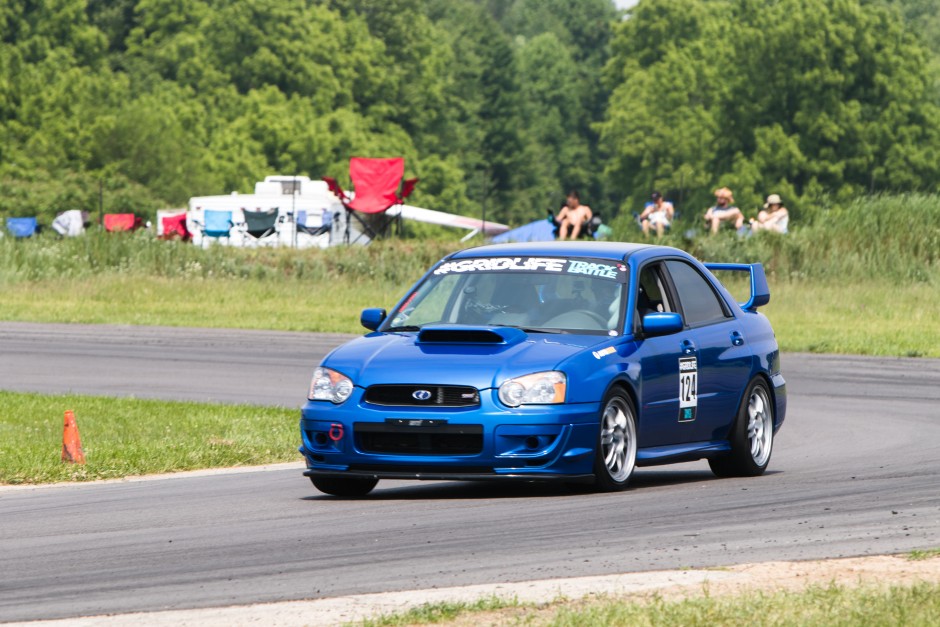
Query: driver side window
x=651 y=296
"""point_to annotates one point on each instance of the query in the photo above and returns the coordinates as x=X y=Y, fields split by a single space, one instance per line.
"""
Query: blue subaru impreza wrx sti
x=550 y=361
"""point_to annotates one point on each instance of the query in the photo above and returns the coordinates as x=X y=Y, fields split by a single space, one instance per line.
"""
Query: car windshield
x=536 y=294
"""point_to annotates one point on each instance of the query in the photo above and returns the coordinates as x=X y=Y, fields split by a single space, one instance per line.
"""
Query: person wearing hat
x=658 y=214
x=723 y=211
x=774 y=217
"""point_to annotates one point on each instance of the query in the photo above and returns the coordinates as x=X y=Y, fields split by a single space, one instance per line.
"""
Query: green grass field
x=871 y=318
x=125 y=436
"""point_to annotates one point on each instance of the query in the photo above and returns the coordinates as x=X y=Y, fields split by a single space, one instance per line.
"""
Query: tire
x=344 y=486
x=752 y=435
x=615 y=456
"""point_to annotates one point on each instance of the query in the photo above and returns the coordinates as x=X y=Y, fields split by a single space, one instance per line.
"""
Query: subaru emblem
x=421 y=395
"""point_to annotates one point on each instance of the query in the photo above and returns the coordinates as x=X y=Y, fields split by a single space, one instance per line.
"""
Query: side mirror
x=662 y=323
x=371 y=318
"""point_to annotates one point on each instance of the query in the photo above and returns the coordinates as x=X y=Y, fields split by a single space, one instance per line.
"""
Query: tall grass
x=139 y=254
x=886 y=237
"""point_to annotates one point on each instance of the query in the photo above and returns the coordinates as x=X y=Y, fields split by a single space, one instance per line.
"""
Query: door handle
x=737 y=339
x=687 y=346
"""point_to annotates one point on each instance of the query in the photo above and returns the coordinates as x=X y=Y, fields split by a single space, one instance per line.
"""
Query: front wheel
x=344 y=486
x=615 y=458
x=752 y=436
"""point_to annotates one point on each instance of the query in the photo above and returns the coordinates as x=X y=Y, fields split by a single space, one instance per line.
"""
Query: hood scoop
x=459 y=334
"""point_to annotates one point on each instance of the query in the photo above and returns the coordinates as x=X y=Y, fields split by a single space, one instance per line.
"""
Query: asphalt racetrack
x=855 y=471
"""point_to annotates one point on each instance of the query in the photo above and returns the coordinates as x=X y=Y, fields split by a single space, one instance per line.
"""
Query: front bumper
x=484 y=442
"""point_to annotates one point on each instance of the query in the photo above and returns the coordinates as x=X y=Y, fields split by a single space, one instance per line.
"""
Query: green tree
x=804 y=97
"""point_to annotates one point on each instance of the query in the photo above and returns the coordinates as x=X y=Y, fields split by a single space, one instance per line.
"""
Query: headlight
x=329 y=385
x=540 y=388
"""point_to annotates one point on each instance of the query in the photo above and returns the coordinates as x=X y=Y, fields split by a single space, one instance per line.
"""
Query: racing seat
x=379 y=185
x=515 y=301
x=21 y=228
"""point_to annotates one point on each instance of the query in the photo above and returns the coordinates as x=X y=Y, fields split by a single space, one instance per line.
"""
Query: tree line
x=502 y=104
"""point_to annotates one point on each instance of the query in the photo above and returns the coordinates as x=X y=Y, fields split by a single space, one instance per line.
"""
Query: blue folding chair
x=22 y=227
x=325 y=225
x=216 y=223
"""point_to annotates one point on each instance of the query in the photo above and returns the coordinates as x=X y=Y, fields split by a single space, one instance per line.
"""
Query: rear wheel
x=752 y=436
x=615 y=458
x=344 y=486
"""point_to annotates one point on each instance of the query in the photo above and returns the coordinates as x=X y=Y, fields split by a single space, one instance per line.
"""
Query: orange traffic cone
x=71 y=443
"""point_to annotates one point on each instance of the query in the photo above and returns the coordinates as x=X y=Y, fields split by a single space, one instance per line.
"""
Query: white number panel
x=688 y=388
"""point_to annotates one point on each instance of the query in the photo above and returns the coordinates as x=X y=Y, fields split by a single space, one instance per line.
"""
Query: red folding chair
x=378 y=185
x=173 y=225
x=115 y=222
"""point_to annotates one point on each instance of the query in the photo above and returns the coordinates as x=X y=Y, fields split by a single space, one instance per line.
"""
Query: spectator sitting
x=572 y=217
x=774 y=217
x=658 y=214
x=723 y=211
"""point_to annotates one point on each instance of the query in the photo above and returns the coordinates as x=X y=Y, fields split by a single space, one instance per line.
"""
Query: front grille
x=413 y=395
x=395 y=439
x=418 y=469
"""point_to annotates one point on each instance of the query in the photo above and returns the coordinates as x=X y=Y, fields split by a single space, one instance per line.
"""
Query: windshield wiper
x=402 y=328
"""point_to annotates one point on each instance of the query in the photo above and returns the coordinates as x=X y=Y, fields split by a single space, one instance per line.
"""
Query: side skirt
x=687 y=452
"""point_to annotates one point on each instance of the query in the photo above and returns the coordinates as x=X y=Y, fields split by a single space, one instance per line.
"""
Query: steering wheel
x=576 y=319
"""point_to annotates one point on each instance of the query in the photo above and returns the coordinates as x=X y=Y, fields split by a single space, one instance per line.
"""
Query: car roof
x=600 y=250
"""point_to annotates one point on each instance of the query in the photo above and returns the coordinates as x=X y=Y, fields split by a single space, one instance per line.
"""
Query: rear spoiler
x=760 y=291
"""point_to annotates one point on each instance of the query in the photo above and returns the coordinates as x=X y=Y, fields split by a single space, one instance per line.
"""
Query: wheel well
x=773 y=395
x=627 y=389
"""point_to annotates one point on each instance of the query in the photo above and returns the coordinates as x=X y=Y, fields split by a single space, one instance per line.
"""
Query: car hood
x=481 y=357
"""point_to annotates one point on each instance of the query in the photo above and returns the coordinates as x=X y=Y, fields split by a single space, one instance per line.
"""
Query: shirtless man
x=572 y=216
x=723 y=211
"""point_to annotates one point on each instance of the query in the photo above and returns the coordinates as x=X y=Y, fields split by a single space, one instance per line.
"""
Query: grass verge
x=865 y=318
x=126 y=436
x=912 y=606
x=927 y=554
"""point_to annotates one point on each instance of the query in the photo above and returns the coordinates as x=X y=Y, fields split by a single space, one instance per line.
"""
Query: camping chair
x=215 y=224
x=171 y=224
x=70 y=223
x=118 y=222
x=259 y=226
x=21 y=228
x=326 y=223
x=378 y=187
x=639 y=223
x=590 y=229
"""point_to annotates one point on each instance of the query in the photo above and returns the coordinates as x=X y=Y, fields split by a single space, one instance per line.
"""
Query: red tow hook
x=336 y=432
